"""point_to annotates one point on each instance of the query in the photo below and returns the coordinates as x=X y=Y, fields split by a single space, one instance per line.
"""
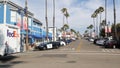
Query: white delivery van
x=9 y=39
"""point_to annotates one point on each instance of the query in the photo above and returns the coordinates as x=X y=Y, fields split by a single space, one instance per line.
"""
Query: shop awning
x=38 y=36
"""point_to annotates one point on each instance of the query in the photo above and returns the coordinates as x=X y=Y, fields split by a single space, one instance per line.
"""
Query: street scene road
x=59 y=34
x=78 y=54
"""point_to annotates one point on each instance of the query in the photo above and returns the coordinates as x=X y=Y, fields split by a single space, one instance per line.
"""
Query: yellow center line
x=79 y=46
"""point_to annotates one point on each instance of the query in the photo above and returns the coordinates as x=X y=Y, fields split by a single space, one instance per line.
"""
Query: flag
x=25 y=23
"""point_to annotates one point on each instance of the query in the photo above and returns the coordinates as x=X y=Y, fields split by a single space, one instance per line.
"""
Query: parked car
x=91 y=39
x=110 y=43
x=73 y=39
x=101 y=41
x=95 y=40
x=55 y=44
x=44 y=46
x=62 y=43
x=66 y=41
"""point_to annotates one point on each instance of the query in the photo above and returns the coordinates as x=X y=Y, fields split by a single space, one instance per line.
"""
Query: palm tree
x=67 y=15
x=86 y=31
x=63 y=11
x=46 y=20
x=102 y=24
x=94 y=16
x=97 y=25
x=76 y=33
x=60 y=30
x=102 y=28
x=72 y=30
x=89 y=28
x=101 y=9
x=65 y=27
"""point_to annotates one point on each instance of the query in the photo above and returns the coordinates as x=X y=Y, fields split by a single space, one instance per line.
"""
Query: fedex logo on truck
x=12 y=34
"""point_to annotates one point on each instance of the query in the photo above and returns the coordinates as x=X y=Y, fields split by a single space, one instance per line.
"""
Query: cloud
x=80 y=11
x=92 y=4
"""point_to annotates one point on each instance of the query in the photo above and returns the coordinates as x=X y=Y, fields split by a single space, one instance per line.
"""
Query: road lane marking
x=79 y=46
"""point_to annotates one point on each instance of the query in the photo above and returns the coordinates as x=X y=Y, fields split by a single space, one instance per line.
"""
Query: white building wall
x=51 y=31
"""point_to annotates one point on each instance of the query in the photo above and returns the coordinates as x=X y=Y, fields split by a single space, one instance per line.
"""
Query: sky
x=80 y=11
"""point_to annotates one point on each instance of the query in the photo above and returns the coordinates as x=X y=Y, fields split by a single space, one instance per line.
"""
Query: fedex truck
x=9 y=39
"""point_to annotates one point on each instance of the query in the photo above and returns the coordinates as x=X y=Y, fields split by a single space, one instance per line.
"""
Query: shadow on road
x=6 y=61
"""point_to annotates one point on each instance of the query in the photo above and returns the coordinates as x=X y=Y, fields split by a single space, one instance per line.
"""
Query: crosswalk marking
x=102 y=52
x=111 y=50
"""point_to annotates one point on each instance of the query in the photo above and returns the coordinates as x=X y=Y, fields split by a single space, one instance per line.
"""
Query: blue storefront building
x=13 y=14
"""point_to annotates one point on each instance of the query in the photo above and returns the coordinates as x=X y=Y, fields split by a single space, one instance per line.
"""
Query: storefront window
x=13 y=16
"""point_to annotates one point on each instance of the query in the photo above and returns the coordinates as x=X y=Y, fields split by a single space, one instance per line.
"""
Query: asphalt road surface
x=78 y=54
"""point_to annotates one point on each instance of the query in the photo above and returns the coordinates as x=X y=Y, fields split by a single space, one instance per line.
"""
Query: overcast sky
x=80 y=11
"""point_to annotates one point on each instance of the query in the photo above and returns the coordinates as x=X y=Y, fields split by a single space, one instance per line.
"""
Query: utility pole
x=53 y=20
x=46 y=20
x=105 y=16
x=115 y=29
x=26 y=14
